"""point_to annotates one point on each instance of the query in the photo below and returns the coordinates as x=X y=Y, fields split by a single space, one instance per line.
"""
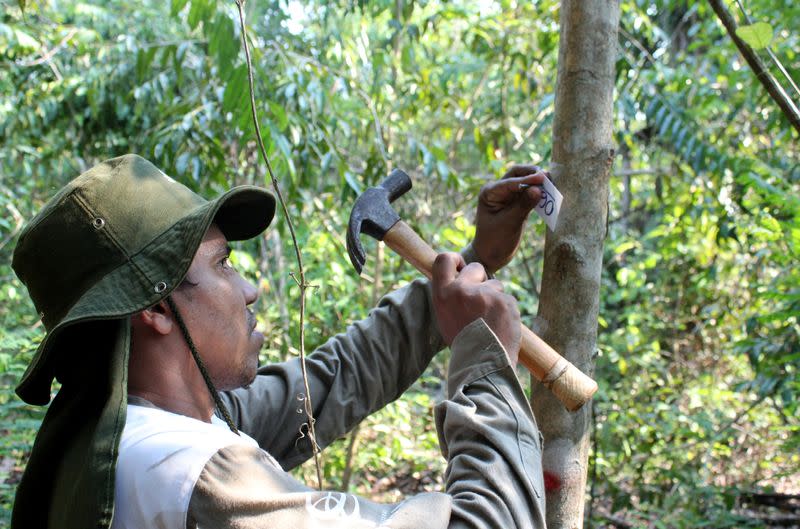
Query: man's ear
x=158 y=318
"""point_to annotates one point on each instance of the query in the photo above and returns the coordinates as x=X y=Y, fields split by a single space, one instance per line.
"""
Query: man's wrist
x=471 y=256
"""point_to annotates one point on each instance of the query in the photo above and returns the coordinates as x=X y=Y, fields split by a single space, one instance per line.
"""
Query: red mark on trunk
x=551 y=481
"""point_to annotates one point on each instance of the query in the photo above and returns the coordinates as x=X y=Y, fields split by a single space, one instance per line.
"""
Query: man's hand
x=462 y=294
x=502 y=209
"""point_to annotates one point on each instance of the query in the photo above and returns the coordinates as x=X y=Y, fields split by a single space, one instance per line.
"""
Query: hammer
x=372 y=214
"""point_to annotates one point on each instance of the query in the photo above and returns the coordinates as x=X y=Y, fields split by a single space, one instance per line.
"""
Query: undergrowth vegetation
x=699 y=341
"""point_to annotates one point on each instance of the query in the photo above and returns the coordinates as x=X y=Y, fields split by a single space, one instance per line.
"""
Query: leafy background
x=697 y=417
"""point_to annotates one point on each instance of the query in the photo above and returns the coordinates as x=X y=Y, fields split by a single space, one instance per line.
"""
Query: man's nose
x=250 y=291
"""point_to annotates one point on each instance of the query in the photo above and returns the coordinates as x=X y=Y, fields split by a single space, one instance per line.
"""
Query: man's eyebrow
x=223 y=250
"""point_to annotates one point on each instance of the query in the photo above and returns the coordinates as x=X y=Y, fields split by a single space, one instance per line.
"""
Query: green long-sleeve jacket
x=485 y=426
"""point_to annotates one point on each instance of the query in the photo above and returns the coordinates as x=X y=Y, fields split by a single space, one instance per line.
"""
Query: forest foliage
x=699 y=340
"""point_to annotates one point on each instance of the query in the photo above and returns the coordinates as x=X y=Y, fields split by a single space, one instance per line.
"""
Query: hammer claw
x=354 y=249
x=373 y=215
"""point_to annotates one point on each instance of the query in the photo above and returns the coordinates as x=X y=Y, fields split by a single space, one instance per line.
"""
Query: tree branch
x=49 y=54
x=774 y=89
x=301 y=282
x=772 y=56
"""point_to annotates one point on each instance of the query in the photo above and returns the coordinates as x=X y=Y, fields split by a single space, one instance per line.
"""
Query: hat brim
x=241 y=213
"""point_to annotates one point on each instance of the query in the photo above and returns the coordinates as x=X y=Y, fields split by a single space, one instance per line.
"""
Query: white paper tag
x=550 y=204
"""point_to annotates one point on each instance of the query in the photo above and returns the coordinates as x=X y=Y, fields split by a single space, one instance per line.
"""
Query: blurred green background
x=696 y=420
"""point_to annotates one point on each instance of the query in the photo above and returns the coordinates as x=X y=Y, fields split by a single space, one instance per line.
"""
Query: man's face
x=213 y=302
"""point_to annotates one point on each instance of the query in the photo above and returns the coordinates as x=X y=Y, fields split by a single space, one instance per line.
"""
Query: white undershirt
x=161 y=455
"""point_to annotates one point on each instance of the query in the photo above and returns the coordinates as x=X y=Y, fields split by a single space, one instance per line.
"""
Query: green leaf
x=757 y=36
x=182 y=163
x=325 y=163
x=22 y=5
x=25 y=41
x=665 y=125
x=144 y=58
x=278 y=115
x=176 y=6
x=286 y=149
x=428 y=161
x=229 y=49
x=680 y=137
x=236 y=91
x=353 y=182
x=199 y=11
x=442 y=169
x=660 y=115
x=223 y=44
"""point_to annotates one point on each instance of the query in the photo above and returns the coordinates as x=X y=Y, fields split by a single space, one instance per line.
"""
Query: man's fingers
x=473 y=273
x=446 y=268
x=510 y=187
x=521 y=170
x=532 y=197
x=532 y=179
x=531 y=187
x=495 y=284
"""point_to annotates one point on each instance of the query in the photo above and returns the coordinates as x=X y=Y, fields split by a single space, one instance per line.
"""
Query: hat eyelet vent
x=160 y=287
x=98 y=223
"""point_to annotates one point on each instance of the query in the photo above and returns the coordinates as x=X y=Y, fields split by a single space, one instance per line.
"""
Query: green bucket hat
x=114 y=241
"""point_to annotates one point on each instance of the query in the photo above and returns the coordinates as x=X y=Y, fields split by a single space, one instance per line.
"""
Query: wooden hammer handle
x=568 y=383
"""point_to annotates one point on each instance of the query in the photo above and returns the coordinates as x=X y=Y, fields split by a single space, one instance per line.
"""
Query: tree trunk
x=570 y=292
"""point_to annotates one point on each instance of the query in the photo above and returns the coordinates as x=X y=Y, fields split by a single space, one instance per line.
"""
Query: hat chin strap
x=200 y=365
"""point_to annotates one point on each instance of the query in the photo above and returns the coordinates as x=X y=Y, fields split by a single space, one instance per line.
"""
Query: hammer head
x=373 y=215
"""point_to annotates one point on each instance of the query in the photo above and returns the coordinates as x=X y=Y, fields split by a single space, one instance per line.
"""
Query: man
x=147 y=320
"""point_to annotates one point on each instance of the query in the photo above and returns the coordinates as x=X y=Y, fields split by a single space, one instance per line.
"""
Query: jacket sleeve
x=243 y=488
x=486 y=431
x=489 y=437
x=352 y=375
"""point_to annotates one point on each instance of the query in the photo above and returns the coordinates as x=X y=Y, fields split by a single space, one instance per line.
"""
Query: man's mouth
x=251 y=320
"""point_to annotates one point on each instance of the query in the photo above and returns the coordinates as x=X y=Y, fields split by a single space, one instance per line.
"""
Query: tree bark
x=570 y=291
